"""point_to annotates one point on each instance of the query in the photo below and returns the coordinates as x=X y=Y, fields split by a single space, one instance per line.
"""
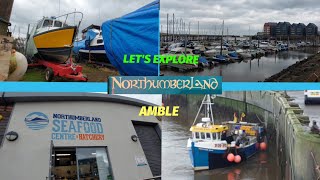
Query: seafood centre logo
x=36 y=121
x=165 y=85
x=67 y=127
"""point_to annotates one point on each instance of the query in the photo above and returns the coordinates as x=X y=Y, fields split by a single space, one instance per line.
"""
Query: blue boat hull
x=204 y=159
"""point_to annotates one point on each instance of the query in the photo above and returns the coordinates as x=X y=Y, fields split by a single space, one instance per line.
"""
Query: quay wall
x=298 y=150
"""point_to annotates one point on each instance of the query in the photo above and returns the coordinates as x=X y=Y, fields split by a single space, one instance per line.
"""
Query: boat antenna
x=59 y=7
x=207 y=101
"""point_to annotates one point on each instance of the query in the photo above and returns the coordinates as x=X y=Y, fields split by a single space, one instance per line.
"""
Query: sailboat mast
x=221 y=38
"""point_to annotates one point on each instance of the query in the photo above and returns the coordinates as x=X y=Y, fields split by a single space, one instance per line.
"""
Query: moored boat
x=215 y=146
x=221 y=59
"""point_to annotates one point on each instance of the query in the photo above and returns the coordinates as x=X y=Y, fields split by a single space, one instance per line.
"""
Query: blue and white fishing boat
x=217 y=146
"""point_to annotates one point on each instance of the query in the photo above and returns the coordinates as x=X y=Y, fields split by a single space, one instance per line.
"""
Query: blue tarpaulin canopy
x=132 y=34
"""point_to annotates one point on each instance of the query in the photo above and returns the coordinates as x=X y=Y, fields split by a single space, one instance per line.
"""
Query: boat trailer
x=68 y=70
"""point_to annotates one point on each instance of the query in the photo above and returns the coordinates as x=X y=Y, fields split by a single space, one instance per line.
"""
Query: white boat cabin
x=47 y=24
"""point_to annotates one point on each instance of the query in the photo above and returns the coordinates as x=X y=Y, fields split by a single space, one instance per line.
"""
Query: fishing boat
x=52 y=38
x=215 y=146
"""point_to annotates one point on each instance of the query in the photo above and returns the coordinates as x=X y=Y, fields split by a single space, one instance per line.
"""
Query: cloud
x=151 y=98
x=239 y=16
x=25 y=12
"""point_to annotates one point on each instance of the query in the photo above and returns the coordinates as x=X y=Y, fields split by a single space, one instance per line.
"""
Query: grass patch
x=94 y=73
x=34 y=74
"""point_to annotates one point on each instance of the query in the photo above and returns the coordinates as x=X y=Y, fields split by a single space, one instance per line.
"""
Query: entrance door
x=80 y=164
x=149 y=135
x=93 y=164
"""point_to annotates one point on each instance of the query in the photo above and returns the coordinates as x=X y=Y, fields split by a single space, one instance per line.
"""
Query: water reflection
x=253 y=70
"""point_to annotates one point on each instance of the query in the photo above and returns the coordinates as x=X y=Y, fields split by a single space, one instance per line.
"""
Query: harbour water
x=252 y=70
x=311 y=110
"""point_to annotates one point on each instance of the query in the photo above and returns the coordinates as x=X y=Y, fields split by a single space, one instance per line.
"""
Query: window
x=47 y=23
x=197 y=135
x=39 y=24
x=93 y=163
x=208 y=135
x=214 y=136
x=57 y=24
x=203 y=136
x=80 y=163
x=218 y=136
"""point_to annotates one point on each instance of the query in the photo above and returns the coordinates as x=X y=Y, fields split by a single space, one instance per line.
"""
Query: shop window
x=80 y=164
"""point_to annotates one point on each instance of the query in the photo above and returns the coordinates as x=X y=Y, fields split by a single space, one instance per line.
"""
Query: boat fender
x=263 y=146
x=13 y=62
x=237 y=159
x=230 y=157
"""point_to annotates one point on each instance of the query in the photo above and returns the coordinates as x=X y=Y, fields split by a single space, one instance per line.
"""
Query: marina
x=253 y=70
x=247 y=55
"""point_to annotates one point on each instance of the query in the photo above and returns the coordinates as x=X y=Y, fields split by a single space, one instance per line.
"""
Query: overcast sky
x=30 y=11
x=151 y=98
x=239 y=15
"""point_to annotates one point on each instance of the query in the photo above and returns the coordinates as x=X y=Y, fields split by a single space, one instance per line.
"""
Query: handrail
x=67 y=15
x=76 y=12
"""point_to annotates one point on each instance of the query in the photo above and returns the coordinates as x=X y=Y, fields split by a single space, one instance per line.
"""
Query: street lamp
x=12 y=136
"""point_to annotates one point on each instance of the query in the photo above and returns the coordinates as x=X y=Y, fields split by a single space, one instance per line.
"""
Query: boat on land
x=52 y=38
x=91 y=46
x=215 y=146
